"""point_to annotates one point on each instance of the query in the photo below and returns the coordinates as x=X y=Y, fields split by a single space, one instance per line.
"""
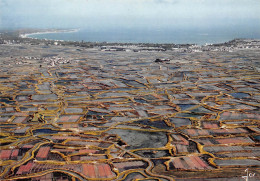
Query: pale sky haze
x=96 y=14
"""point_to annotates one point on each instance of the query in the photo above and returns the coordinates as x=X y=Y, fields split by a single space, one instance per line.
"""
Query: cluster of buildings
x=236 y=44
x=50 y=61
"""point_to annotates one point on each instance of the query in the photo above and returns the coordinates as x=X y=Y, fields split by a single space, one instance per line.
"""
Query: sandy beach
x=27 y=35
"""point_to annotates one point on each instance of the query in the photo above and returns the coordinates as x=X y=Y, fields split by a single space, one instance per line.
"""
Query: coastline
x=23 y=37
x=94 y=38
x=27 y=35
x=53 y=31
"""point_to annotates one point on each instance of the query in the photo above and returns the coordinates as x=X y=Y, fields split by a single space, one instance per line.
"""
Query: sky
x=109 y=14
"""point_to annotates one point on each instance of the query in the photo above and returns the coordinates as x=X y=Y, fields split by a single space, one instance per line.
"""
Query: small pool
x=44 y=131
x=240 y=95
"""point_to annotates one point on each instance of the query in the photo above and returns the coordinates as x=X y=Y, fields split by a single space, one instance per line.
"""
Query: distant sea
x=148 y=36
